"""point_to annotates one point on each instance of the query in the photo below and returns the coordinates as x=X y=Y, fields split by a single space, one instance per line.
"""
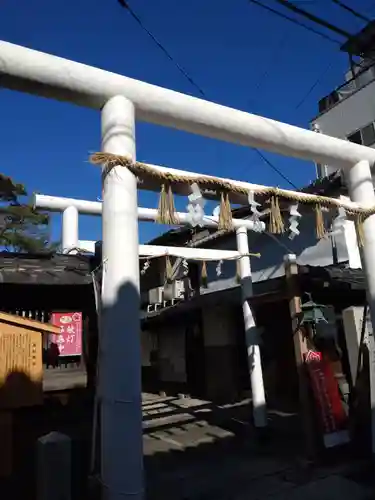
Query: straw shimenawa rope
x=225 y=214
x=204 y=276
x=168 y=269
x=238 y=271
x=276 y=219
x=319 y=222
x=166 y=206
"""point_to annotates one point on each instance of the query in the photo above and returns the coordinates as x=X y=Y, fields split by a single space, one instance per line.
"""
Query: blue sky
x=241 y=55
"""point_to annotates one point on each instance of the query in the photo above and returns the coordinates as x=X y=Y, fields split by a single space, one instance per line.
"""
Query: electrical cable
x=126 y=6
x=317 y=81
x=352 y=11
x=302 y=25
x=271 y=63
x=322 y=22
x=295 y=21
x=135 y=16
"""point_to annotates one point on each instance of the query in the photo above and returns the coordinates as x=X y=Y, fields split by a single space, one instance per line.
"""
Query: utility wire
x=352 y=11
x=271 y=63
x=295 y=21
x=315 y=84
x=291 y=6
x=298 y=23
x=126 y=6
x=270 y=164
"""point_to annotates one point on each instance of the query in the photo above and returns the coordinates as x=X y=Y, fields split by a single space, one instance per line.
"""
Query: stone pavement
x=195 y=450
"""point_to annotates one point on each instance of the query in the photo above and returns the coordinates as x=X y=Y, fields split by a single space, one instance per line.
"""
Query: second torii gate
x=71 y=208
x=121 y=101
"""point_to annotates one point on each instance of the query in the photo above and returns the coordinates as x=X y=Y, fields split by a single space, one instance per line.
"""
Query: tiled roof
x=45 y=269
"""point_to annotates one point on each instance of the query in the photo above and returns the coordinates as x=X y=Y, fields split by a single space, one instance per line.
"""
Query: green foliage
x=22 y=228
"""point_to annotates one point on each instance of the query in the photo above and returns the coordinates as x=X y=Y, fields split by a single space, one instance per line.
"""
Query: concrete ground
x=198 y=451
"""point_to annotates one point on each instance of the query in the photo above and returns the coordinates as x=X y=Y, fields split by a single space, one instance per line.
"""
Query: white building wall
x=349 y=115
x=273 y=248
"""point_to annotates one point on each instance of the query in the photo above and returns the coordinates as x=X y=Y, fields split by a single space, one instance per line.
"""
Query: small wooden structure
x=21 y=374
x=21 y=364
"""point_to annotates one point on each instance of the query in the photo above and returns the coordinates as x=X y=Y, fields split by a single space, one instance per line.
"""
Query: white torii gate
x=70 y=208
x=123 y=100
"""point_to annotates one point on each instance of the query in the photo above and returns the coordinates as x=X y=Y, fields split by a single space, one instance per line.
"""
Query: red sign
x=69 y=341
x=326 y=393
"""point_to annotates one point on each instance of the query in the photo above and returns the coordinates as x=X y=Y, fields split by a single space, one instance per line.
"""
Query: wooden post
x=6 y=448
x=54 y=467
x=300 y=349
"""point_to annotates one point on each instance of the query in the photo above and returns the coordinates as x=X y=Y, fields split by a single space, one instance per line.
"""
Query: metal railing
x=348 y=88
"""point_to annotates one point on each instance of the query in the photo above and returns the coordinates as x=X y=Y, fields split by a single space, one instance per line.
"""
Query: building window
x=368 y=135
x=355 y=137
x=364 y=136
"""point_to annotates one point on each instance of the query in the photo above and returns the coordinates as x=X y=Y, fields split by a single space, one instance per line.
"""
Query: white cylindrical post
x=69 y=229
x=361 y=190
x=251 y=333
x=120 y=353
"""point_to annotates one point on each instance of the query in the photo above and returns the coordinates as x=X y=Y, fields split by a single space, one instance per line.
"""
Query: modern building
x=348 y=112
x=198 y=342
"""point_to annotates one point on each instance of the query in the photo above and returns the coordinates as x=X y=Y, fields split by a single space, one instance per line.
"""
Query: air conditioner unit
x=173 y=290
x=155 y=296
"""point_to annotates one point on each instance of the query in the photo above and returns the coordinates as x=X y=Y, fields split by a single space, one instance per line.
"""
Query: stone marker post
x=54 y=467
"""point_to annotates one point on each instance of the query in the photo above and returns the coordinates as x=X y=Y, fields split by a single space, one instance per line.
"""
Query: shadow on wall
x=26 y=414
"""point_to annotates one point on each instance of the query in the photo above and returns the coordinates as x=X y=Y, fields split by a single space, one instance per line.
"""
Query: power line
x=317 y=81
x=291 y=6
x=295 y=21
x=135 y=16
x=278 y=49
x=126 y=6
x=270 y=164
x=352 y=11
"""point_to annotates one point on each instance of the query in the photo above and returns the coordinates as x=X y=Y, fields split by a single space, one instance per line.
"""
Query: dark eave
x=362 y=42
x=335 y=276
x=347 y=282
x=45 y=269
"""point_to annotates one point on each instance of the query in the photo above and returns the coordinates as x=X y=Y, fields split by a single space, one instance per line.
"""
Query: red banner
x=327 y=396
x=69 y=341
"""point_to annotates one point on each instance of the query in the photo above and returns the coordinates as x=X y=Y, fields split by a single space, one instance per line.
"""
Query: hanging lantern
x=312 y=313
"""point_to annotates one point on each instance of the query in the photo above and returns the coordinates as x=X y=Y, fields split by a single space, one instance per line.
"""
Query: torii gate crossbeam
x=123 y=100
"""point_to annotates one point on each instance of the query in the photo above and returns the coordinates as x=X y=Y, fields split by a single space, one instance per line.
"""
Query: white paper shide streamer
x=294 y=221
x=185 y=267
x=338 y=226
x=145 y=267
x=219 y=270
x=196 y=205
x=255 y=214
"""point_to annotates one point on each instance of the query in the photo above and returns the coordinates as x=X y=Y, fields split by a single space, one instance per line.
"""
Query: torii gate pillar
x=120 y=351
